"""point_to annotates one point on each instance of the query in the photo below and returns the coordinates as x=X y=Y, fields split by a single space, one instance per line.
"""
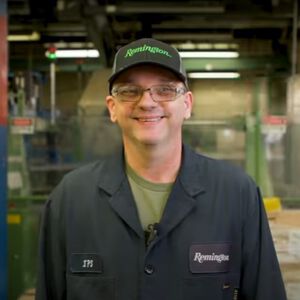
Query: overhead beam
x=224 y=23
x=163 y=8
x=96 y=32
x=192 y=36
x=100 y=32
x=267 y=63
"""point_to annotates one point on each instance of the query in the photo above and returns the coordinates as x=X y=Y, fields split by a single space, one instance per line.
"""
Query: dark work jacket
x=213 y=241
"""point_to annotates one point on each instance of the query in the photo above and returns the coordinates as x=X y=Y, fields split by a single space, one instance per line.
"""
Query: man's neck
x=154 y=163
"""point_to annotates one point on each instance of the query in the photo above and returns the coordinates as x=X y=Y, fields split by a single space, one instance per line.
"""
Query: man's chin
x=150 y=141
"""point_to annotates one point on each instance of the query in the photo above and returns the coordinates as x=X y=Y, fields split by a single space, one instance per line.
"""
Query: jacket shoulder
x=87 y=171
x=220 y=168
x=83 y=177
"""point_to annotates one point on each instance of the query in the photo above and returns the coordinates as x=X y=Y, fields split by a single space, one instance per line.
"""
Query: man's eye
x=128 y=91
x=165 y=90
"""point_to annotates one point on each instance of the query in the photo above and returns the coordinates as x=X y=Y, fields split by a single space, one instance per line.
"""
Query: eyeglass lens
x=157 y=92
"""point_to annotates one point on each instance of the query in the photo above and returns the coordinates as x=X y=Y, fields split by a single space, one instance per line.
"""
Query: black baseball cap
x=147 y=51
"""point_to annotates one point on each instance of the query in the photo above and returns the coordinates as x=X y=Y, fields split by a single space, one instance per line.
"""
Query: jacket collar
x=191 y=174
x=112 y=173
x=113 y=181
x=181 y=200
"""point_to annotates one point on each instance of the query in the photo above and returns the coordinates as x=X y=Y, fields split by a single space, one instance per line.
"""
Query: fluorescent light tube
x=209 y=54
x=226 y=75
x=78 y=53
x=34 y=36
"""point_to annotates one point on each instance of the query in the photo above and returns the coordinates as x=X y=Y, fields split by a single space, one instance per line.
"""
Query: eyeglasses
x=158 y=93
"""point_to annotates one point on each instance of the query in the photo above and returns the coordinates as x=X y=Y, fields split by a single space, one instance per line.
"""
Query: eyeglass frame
x=178 y=91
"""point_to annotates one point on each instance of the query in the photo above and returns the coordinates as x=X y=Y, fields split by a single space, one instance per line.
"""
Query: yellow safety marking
x=272 y=204
x=14 y=218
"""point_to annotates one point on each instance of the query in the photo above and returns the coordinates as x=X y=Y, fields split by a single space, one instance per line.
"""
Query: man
x=156 y=221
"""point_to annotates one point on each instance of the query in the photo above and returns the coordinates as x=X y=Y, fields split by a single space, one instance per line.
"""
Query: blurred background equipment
x=241 y=60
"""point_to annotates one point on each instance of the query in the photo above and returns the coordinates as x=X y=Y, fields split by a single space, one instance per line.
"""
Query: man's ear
x=188 y=101
x=111 y=106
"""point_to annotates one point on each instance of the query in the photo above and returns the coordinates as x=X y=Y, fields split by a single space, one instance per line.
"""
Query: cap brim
x=115 y=75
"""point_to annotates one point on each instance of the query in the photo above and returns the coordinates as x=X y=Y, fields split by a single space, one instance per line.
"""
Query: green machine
x=276 y=188
x=23 y=226
x=39 y=154
x=256 y=160
x=22 y=221
x=255 y=141
x=23 y=213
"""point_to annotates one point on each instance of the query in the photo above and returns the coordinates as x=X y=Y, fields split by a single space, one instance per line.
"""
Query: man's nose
x=146 y=99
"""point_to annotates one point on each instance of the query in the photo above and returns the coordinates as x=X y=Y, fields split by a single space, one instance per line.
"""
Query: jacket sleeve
x=261 y=277
x=51 y=259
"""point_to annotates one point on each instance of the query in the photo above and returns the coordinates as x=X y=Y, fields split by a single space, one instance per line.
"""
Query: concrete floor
x=285 y=229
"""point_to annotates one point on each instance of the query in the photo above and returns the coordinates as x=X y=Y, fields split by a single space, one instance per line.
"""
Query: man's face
x=146 y=121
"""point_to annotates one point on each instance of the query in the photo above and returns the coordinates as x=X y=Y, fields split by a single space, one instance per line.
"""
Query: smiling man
x=155 y=220
x=150 y=104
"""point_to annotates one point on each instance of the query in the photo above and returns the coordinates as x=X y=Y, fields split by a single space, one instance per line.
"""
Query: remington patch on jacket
x=209 y=258
x=85 y=263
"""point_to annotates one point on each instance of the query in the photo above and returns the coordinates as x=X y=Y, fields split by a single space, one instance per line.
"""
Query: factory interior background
x=243 y=63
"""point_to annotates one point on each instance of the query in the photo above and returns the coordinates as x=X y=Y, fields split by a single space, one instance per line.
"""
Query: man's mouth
x=156 y=119
x=148 y=119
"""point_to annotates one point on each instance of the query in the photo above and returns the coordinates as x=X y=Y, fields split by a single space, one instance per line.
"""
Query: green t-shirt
x=150 y=198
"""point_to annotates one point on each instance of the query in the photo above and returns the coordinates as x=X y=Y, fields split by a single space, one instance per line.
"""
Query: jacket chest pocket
x=83 y=287
x=215 y=287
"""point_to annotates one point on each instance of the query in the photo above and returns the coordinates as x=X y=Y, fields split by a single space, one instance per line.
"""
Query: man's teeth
x=149 y=119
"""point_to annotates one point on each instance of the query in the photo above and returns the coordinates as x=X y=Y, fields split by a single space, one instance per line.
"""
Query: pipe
x=52 y=93
x=295 y=41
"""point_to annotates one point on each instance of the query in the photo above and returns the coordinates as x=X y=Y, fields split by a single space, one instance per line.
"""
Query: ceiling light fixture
x=34 y=36
x=206 y=46
x=214 y=75
x=70 y=45
x=209 y=54
x=160 y=9
x=82 y=53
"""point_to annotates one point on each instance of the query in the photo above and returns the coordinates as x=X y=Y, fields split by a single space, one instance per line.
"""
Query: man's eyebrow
x=127 y=81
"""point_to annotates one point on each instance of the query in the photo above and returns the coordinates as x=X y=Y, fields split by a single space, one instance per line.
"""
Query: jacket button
x=149 y=269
